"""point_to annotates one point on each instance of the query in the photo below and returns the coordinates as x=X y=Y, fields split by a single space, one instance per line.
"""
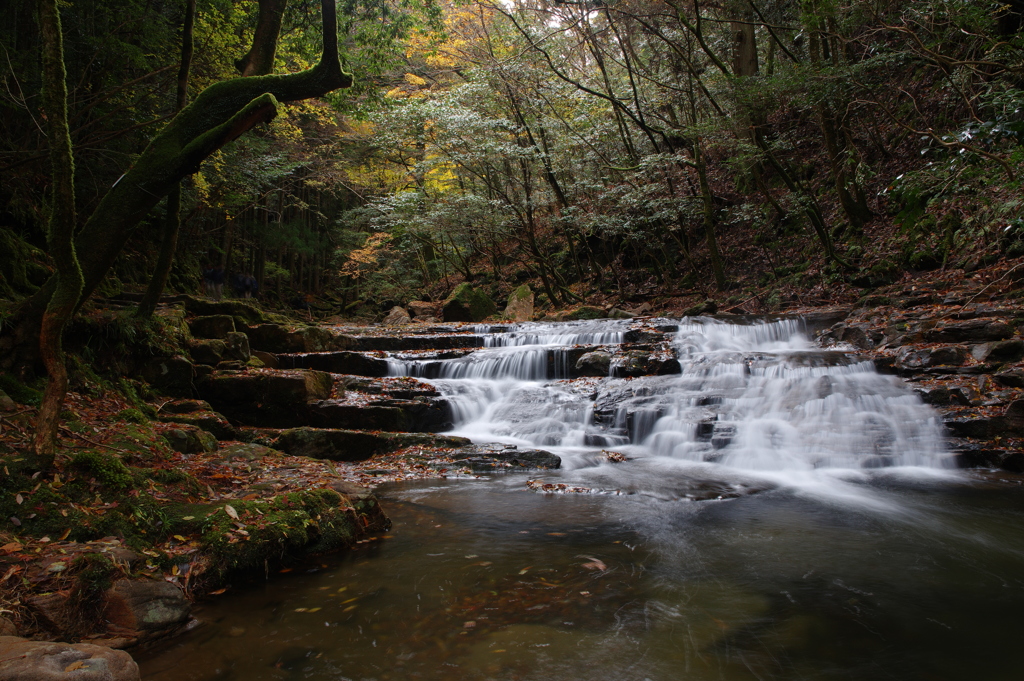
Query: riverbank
x=222 y=441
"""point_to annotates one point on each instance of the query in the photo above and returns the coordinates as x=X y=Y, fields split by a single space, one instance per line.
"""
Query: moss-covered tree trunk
x=220 y=114
x=172 y=218
x=60 y=234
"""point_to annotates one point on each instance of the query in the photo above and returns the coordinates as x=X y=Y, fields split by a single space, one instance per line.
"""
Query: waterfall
x=757 y=395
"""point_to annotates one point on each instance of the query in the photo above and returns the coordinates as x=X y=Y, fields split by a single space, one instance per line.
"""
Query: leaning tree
x=218 y=115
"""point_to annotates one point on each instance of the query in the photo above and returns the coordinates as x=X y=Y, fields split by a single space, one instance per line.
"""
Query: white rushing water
x=758 y=396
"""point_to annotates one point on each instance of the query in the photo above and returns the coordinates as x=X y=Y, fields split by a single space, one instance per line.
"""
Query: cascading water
x=754 y=395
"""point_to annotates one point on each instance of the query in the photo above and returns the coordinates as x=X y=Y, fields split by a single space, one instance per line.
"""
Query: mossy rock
x=466 y=304
x=585 y=312
x=520 y=304
x=19 y=392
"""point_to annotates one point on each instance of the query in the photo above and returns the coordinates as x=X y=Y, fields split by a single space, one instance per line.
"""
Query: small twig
x=98 y=444
x=985 y=288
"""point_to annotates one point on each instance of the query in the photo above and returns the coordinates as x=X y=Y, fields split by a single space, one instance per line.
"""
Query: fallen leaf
x=19 y=499
x=218 y=592
x=189 y=517
x=64 y=535
x=594 y=564
x=230 y=510
x=180 y=538
x=75 y=665
x=10 y=547
x=15 y=521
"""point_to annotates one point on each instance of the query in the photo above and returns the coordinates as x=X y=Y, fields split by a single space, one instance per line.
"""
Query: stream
x=772 y=511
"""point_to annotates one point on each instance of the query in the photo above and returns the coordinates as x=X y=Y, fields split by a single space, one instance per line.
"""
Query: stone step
x=353 y=445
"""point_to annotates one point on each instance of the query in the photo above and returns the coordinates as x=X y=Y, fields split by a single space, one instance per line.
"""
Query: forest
x=240 y=242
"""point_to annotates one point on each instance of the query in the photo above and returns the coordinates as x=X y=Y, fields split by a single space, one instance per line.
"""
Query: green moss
x=133 y=415
x=473 y=303
x=586 y=312
x=108 y=470
x=19 y=392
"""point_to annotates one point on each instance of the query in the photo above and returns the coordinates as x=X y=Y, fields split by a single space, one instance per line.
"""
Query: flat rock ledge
x=24 y=660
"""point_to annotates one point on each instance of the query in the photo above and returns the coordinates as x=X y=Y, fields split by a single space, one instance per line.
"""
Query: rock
x=24 y=660
x=51 y=610
x=1011 y=379
x=185 y=406
x=428 y=320
x=189 y=439
x=146 y=608
x=984 y=428
x=421 y=309
x=617 y=313
x=207 y=351
x=279 y=339
x=999 y=351
x=585 y=312
x=207 y=420
x=173 y=375
x=269 y=360
x=6 y=403
x=262 y=398
x=520 y=305
x=7 y=627
x=935 y=396
x=707 y=307
x=911 y=358
x=397 y=317
x=246 y=312
x=970 y=331
x=352 y=363
x=596 y=363
x=399 y=415
x=858 y=336
x=466 y=304
x=482 y=458
x=214 y=326
x=354 y=445
x=237 y=347
x=247 y=451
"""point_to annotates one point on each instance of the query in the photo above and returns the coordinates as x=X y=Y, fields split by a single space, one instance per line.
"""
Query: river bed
x=907 y=574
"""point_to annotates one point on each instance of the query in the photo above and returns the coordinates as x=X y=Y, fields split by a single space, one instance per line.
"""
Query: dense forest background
x=762 y=150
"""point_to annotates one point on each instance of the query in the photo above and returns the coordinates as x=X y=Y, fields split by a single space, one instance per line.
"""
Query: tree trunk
x=172 y=219
x=60 y=236
x=220 y=114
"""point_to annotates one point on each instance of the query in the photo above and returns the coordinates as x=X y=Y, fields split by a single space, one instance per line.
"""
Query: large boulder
x=596 y=363
x=213 y=326
x=172 y=375
x=264 y=398
x=145 y=609
x=909 y=358
x=466 y=304
x=24 y=660
x=397 y=317
x=520 y=304
x=999 y=351
x=207 y=351
x=421 y=309
x=190 y=439
x=399 y=415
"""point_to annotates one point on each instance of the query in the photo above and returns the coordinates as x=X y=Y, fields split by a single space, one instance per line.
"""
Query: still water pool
x=904 y=574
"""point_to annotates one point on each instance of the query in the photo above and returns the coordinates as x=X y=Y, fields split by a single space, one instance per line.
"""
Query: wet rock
x=6 y=403
x=398 y=415
x=970 y=331
x=585 y=312
x=207 y=351
x=935 y=396
x=213 y=326
x=485 y=458
x=145 y=609
x=421 y=309
x=982 y=455
x=409 y=342
x=909 y=358
x=354 y=445
x=236 y=347
x=278 y=339
x=520 y=304
x=596 y=363
x=51 y=610
x=261 y=398
x=984 y=428
x=24 y=660
x=467 y=304
x=860 y=336
x=705 y=308
x=207 y=420
x=172 y=375
x=1013 y=378
x=189 y=439
x=352 y=363
x=1000 y=351
x=397 y=317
